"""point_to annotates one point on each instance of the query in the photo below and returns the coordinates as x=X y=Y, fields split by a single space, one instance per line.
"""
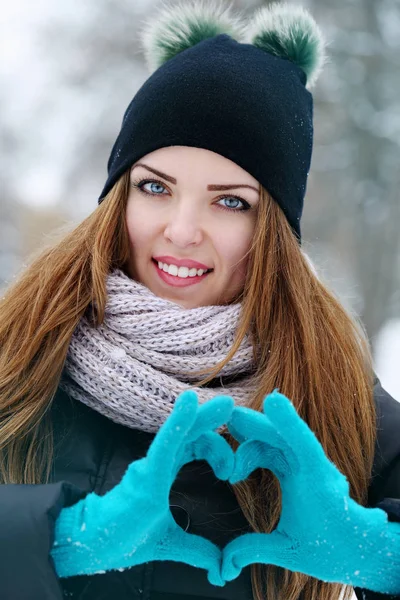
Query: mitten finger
x=254 y=454
x=217 y=452
x=248 y=424
x=212 y=448
x=267 y=548
x=211 y=415
x=305 y=446
x=171 y=437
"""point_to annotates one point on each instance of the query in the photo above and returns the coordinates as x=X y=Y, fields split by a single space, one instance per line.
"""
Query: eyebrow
x=211 y=187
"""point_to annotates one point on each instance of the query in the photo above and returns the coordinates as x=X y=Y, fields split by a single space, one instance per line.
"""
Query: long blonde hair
x=304 y=343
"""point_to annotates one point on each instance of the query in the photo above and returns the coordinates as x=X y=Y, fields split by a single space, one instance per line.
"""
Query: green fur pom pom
x=289 y=31
x=178 y=27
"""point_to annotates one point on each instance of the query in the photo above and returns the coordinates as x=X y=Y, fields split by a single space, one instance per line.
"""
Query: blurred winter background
x=69 y=69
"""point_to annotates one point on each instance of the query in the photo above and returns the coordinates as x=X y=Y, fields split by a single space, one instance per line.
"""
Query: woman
x=191 y=266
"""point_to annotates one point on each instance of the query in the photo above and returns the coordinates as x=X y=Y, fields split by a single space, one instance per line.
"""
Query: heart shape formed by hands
x=322 y=532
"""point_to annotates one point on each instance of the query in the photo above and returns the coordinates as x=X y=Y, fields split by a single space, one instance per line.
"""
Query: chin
x=186 y=302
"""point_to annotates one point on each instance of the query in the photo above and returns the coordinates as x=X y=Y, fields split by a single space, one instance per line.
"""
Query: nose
x=183 y=227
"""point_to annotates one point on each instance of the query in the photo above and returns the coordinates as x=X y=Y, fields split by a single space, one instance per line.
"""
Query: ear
x=176 y=28
x=289 y=31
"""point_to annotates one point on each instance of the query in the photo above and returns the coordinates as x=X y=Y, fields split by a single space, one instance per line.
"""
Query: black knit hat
x=245 y=101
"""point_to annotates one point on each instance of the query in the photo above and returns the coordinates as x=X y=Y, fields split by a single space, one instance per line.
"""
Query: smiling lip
x=179 y=281
x=183 y=262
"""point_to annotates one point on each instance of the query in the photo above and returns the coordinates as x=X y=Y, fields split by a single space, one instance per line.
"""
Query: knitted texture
x=132 y=523
x=322 y=531
x=147 y=351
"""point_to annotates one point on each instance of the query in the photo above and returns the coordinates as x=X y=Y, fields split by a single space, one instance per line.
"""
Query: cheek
x=233 y=250
x=233 y=247
x=138 y=225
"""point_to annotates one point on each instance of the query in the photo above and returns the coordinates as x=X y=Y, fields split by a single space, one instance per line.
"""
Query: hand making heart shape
x=322 y=532
x=132 y=523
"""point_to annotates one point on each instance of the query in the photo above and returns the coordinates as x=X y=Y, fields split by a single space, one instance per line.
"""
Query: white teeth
x=183 y=272
x=173 y=270
x=180 y=271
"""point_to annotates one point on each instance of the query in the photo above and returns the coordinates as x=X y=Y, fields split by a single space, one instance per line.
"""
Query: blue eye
x=236 y=206
x=239 y=205
x=140 y=184
x=153 y=185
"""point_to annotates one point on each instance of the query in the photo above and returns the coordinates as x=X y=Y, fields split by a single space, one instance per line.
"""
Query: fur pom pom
x=176 y=28
x=289 y=31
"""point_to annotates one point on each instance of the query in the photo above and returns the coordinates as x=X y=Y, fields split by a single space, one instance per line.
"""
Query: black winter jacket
x=92 y=454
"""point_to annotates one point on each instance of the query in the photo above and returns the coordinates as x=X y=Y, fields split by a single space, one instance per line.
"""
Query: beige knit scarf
x=133 y=366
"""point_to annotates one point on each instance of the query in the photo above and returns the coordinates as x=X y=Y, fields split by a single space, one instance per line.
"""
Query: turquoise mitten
x=132 y=523
x=322 y=532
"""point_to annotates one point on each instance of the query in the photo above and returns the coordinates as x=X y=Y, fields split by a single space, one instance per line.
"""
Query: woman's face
x=190 y=210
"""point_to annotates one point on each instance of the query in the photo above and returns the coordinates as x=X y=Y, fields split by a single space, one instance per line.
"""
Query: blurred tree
x=88 y=64
x=358 y=172
x=10 y=237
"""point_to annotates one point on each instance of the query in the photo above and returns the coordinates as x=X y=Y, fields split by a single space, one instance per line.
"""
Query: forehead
x=187 y=161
